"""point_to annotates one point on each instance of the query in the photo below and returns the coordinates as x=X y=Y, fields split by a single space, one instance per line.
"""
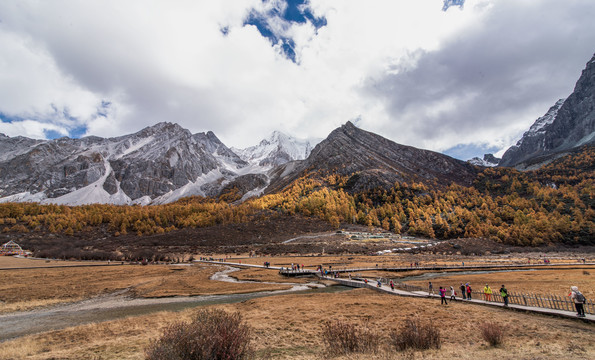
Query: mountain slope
x=567 y=125
x=372 y=160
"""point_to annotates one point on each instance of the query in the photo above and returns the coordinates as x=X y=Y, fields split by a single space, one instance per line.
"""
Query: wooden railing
x=551 y=301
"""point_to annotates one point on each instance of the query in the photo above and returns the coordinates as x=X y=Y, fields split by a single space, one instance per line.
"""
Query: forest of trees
x=553 y=204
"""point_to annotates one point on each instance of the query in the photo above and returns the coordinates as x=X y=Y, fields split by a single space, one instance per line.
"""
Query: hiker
x=392 y=285
x=442 y=296
x=463 y=291
x=378 y=283
x=487 y=292
x=504 y=294
x=468 y=288
x=452 y=293
x=430 y=288
x=579 y=299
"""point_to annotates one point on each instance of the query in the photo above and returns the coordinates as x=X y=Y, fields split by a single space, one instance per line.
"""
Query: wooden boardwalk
x=550 y=305
x=372 y=284
x=436 y=267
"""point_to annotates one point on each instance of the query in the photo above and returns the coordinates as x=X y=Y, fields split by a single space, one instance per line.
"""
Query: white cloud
x=30 y=128
x=171 y=61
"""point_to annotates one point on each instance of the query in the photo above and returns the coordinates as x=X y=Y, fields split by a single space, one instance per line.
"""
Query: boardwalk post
x=524 y=299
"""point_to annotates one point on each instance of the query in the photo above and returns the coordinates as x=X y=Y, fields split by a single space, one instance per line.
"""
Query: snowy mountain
x=158 y=164
x=568 y=124
x=489 y=160
x=277 y=149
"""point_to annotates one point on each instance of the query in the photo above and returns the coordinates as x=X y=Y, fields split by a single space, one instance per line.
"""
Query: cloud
x=409 y=70
x=487 y=84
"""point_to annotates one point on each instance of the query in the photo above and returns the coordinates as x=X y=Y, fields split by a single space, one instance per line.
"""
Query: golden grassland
x=289 y=327
x=543 y=282
x=399 y=260
x=11 y=262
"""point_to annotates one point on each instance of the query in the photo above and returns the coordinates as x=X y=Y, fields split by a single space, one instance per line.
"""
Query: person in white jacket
x=579 y=300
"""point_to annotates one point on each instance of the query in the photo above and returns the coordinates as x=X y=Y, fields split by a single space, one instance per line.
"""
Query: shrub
x=212 y=334
x=415 y=334
x=492 y=332
x=342 y=338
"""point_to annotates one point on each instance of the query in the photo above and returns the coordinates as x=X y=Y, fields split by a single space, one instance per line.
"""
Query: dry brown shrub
x=492 y=332
x=212 y=334
x=415 y=334
x=342 y=338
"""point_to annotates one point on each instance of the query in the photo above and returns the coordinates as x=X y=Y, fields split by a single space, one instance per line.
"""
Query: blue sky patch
x=296 y=11
x=449 y=3
x=468 y=151
x=8 y=119
x=52 y=134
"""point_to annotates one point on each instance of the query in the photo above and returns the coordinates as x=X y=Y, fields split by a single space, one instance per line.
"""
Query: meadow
x=290 y=325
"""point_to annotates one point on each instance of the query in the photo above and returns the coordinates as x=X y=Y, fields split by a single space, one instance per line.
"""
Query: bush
x=492 y=332
x=415 y=334
x=342 y=338
x=212 y=334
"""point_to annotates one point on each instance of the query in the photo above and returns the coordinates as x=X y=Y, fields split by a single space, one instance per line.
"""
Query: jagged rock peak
x=163 y=127
x=567 y=125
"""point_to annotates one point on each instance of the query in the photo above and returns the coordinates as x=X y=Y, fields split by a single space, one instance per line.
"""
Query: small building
x=11 y=248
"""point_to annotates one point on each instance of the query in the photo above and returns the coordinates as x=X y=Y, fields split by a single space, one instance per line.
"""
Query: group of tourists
x=466 y=293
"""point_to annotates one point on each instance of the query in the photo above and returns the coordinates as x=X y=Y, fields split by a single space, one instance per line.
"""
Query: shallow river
x=118 y=305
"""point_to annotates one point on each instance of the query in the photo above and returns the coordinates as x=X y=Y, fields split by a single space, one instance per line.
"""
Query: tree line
x=549 y=205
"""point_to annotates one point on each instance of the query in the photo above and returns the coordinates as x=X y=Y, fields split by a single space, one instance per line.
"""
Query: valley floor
x=290 y=325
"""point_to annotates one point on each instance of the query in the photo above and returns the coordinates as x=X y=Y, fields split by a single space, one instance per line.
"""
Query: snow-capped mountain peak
x=275 y=150
x=540 y=124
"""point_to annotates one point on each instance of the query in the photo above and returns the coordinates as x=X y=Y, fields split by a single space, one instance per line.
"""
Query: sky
x=463 y=77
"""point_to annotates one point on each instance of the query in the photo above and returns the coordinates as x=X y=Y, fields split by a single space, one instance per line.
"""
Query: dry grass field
x=12 y=262
x=31 y=288
x=544 y=282
x=289 y=326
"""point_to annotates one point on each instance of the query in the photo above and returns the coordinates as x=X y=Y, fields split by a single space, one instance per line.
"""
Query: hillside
x=553 y=205
x=371 y=161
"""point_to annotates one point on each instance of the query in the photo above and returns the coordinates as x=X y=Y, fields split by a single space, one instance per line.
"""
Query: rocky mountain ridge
x=373 y=161
x=152 y=164
x=165 y=162
x=567 y=125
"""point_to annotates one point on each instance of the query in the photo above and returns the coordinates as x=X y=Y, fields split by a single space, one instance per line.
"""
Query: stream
x=119 y=305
